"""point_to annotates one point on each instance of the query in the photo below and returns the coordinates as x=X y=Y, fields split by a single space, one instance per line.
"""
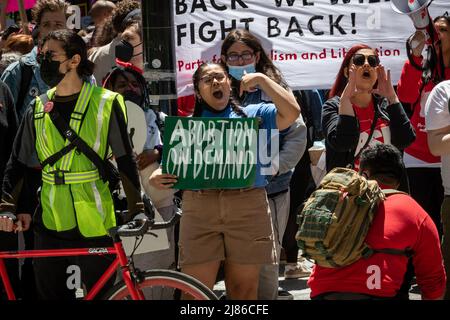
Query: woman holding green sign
x=230 y=225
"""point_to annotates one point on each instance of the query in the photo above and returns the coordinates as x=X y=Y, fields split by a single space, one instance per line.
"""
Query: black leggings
x=301 y=187
x=426 y=188
x=52 y=274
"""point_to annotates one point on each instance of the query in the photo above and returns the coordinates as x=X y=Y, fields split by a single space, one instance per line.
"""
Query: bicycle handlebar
x=140 y=227
x=163 y=225
x=133 y=228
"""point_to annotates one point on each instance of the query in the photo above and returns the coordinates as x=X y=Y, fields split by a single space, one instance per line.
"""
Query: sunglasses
x=360 y=59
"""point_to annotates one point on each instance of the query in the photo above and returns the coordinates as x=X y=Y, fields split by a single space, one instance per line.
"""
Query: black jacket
x=342 y=131
x=8 y=126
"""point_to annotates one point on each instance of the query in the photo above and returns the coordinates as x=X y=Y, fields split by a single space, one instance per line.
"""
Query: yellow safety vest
x=73 y=194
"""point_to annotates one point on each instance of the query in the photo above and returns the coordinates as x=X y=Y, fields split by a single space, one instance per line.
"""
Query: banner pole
x=159 y=54
x=23 y=17
x=3 y=5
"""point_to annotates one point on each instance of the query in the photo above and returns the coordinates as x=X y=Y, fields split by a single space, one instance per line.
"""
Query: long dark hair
x=438 y=74
x=264 y=65
x=200 y=105
x=341 y=80
x=73 y=44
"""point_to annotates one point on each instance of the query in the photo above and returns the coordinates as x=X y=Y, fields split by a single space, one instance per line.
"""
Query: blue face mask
x=238 y=71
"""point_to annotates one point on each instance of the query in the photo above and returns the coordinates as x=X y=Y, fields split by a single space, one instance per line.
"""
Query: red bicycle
x=136 y=285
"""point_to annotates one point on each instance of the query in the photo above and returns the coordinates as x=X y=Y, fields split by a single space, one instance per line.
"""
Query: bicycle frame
x=120 y=260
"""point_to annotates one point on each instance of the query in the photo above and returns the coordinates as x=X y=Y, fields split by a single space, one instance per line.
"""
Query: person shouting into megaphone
x=422 y=167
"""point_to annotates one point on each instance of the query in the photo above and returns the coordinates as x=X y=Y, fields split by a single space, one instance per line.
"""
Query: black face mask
x=132 y=96
x=124 y=51
x=49 y=71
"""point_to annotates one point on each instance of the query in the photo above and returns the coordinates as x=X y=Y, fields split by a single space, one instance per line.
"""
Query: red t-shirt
x=408 y=92
x=399 y=223
x=381 y=134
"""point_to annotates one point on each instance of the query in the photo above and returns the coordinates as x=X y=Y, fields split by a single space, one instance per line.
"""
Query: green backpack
x=336 y=219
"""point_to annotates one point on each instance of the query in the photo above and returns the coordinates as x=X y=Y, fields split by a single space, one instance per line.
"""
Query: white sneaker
x=296 y=270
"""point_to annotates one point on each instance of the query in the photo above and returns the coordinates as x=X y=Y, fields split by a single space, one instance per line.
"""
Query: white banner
x=306 y=39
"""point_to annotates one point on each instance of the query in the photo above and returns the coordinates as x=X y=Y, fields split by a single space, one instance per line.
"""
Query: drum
x=137 y=130
x=137 y=126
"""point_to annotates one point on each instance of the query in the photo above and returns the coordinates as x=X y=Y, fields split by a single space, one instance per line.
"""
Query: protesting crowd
x=375 y=218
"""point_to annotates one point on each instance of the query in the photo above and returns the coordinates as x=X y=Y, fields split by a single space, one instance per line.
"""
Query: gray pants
x=268 y=275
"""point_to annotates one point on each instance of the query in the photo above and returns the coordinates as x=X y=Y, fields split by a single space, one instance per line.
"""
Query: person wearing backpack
x=399 y=228
x=363 y=109
x=70 y=131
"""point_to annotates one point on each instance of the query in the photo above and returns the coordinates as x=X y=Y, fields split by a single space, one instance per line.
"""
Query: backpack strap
x=76 y=142
x=58 y=155
x=372 y=130
x=408 y=252
x=25 y=80
x=389 y=192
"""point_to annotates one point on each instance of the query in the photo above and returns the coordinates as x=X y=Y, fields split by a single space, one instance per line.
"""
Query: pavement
x=299 y=289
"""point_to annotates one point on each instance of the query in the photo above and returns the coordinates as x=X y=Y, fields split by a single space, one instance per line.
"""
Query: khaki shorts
x=232 y=225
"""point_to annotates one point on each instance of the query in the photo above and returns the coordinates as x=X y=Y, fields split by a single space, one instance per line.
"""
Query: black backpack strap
x=77 y=142
x=26 y=74
x=388 y=192
x=61 y=153
x=372 y=130
x=55 y=157
x=408 y=252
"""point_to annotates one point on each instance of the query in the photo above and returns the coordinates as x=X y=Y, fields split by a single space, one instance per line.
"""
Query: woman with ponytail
x=228 y=225
x=256 y=79
x=76 y=208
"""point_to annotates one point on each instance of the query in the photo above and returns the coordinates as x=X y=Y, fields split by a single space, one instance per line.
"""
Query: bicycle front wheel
x=163 y=285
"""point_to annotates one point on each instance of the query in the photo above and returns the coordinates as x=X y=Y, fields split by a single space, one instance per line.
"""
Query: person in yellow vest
x=76 y=208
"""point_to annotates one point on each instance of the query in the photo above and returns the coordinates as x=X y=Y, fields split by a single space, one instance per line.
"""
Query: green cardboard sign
x=211 y=153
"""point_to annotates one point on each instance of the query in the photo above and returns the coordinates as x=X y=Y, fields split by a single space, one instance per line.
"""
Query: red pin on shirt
x=48 y=106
